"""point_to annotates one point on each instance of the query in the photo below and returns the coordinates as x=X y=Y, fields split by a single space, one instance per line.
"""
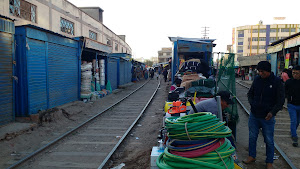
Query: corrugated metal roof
x=45 y=30
x=281 y=40
x=199 y=40
x=5 y=17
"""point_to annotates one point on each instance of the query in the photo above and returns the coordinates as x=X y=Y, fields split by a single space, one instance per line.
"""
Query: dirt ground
x=136 y=150
x=61 y=119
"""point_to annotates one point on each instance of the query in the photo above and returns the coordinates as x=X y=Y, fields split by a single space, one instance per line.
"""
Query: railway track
x=92 y=143
x=282 y=138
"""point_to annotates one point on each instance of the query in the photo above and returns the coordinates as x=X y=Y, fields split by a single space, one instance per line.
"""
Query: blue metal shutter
x=6 y=83
x=122 y=72
x=36 y=76
x=112 y=73
x=129 y=75
x=63 y=74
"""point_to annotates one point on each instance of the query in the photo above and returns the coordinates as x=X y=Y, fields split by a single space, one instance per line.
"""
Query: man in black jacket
x=266 y=97
x=292 y=90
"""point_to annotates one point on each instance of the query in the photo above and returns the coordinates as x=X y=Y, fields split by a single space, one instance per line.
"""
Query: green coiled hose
x=218 y=159
x=196 y=126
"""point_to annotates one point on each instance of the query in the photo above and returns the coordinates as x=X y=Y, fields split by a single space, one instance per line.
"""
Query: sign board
x=97 y=46
x=287 y=60
x=279 y=18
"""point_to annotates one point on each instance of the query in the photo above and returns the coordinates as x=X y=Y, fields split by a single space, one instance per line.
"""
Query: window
x=116 y=47
x=273 y=30
x=262 y=47
x=293 y=30
x=254 y=31
x=262 y=39
x=122 y=50
x=240 y=32
x=93 y=35
x=255 y=39
x=285 y=29
x=23 y=9
x=262 y=31
x=272 y=39
x=254 y=47
x=108 y=41
x=240 y=47
x=66 y=26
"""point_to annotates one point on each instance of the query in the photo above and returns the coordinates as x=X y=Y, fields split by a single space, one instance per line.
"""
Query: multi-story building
x=164 y=55
x=252 y=40
x=64 y=18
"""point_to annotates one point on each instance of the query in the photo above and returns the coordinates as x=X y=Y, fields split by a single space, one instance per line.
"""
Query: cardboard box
x=154 y=155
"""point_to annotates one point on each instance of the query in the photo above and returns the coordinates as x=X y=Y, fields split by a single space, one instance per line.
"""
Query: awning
x=89 y=43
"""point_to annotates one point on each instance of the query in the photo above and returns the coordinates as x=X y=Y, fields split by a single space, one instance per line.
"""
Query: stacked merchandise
x=102 y=73
x=197 y=141
x=86 y=78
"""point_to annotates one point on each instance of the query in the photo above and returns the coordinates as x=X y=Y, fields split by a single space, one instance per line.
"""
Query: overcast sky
x=148 y=24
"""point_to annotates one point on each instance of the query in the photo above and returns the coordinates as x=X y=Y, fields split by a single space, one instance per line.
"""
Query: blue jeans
x=267 y=126
x=294 y=112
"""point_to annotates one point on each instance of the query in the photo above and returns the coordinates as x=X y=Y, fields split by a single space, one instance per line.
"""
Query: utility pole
x=205 y=32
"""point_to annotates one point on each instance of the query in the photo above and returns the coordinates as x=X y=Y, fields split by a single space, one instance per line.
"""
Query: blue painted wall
x=7 y=108
x=47 y=68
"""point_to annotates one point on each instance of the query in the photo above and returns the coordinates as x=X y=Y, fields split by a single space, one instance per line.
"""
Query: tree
x=148 y=62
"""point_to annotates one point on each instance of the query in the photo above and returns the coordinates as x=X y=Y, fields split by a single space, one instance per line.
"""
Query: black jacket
x=292 y=91
x=266 y=95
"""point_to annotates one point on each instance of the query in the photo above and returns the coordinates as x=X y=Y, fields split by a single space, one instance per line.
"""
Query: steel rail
x=129 y=129
x=70 y=131
x=275 y=145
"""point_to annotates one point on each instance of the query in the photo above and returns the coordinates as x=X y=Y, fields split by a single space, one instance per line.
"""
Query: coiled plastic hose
x=217 y=159
x=199 y=129
x=196 y=126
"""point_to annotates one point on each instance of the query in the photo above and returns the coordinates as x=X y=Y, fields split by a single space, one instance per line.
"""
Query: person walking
x=292 y=90
x=243 y=73
x=266 y=98
x=165 y=73
x=250 y=73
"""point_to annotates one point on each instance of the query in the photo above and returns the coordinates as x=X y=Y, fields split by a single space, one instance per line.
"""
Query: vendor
x=176 y=84
x=210 y=105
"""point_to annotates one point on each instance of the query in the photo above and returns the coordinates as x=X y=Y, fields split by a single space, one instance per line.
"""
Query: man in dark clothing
x=165 y=73
x=266 y=97
x=151 y=73
x=243 y=73
x=292 y=90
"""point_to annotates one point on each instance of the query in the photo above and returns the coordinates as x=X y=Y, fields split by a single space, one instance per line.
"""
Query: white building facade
x=64 y=18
